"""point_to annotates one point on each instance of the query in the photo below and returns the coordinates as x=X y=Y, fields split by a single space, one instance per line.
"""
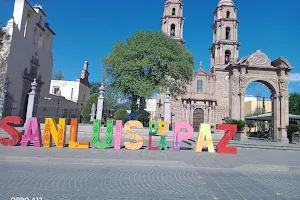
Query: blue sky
x=87 y=30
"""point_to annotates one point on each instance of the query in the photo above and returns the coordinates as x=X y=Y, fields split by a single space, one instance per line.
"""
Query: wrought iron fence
x=59 y=107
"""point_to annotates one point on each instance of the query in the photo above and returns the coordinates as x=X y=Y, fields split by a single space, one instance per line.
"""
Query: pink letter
x=118 y=134
x=32 y=133
x=179 y=136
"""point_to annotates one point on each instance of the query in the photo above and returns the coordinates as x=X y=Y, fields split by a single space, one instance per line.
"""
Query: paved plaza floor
x=53 y=173
x=68 y=181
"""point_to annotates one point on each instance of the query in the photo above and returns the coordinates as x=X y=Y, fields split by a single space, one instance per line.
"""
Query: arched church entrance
x=198 y=118
x=258 y=111
x=259 y=69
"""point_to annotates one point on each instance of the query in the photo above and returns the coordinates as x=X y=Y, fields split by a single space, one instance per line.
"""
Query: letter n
x=57 y=132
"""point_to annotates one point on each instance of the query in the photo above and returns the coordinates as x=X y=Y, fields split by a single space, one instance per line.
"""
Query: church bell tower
x=172 y=20
x=225 y=46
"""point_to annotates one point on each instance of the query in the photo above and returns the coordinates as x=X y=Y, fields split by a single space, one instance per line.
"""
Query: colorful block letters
x=182 y=131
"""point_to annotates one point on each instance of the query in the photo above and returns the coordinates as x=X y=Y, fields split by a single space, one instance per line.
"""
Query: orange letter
x=73 y=137
x=58 y=134
x=133 y=135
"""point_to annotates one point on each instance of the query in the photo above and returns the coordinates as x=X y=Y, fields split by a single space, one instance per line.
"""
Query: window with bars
x=199 y=86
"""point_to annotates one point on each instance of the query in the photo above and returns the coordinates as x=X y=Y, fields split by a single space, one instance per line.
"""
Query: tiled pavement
x=54 y=173
x=65 y=181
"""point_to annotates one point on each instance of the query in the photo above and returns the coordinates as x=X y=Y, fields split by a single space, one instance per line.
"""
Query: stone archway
x=275 y=75
x=198 y=118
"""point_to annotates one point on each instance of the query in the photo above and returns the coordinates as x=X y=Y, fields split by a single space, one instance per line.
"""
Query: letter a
x=205 y=139
x=32 y=133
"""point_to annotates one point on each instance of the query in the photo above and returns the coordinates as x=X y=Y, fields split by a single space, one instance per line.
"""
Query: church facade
x=219 y=93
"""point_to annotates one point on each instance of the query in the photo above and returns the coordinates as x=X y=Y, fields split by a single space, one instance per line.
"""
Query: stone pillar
x=275 y=118
x=206 y=113
x=100 y=103
x=191 y=112
x=210 y=115
x=187 y=113
x=30 y=104
x=282 y=137
x=284 y=106
x=167 y=115
x=93 y=112
x=213 y=115
x=234 y=96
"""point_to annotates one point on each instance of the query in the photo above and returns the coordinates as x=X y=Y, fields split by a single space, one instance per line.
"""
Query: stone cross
x=200 y=64
x=31 y=97
x=100 y=102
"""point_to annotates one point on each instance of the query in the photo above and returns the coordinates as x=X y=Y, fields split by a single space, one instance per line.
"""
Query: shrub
x=121 y=114
x=292 y=128
x=240 y=123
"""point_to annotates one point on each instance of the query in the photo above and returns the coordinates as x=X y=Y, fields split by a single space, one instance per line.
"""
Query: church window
x=33 y=71
x=72 y=92
x=48 y=42
x=172 y=34
x=173 y=11
x=227 y=14
x=227 y=56
x=55 y=89
x=28 y=24
x=40 y=42
x=35 y=36
x=199 y=86
x=227 y=33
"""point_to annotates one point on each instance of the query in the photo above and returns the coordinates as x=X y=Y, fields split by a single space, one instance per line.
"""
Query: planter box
x=238 y=135
x=295 y=138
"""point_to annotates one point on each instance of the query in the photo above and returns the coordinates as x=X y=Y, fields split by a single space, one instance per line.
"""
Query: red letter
x=15 y=134
x=230 y=132
x=150 y=147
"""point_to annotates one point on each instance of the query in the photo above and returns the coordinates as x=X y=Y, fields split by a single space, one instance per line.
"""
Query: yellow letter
x=163 y=128
x=133 y=135
x=205 y=139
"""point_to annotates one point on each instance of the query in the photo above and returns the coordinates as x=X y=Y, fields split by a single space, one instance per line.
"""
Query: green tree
x=294 y=103
x=3 y=36
x=148 y=62
x=57 y=75
x=88 y=106
x=121 y=114
x=95 y=86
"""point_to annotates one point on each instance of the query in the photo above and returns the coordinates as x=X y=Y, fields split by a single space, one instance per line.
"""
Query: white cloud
x=295 y=77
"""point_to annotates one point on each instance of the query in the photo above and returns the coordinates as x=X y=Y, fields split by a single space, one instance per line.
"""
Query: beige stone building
x=220 y=93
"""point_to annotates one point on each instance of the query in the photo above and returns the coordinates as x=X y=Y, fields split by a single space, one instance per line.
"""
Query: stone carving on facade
x=259 y=59
x=235 y=80
x=242 y=81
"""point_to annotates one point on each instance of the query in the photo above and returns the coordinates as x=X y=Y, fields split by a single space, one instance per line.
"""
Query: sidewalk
x=244 y=160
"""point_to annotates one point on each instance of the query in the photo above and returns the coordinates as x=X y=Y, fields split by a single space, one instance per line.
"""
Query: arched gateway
x=274 y=75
